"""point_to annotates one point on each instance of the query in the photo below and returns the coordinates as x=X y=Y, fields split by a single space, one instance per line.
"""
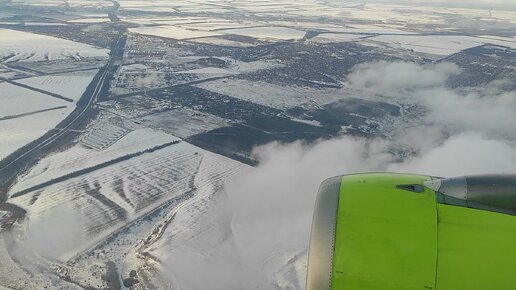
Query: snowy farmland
x=198 y=234
x=172 y=32
x=104 y=136
x=72 y=3
x=26 y=115
x=90 y=20
x=337 y=37
x=222 y=42
x=138 y=192
x=16 y=101
x=23 y=46
x=70 y=85
x=137 y=106
x=276 y=96
x=438 y=44
x=184 y=122
x=18 y=132
x=268 y=33
x=80 y=157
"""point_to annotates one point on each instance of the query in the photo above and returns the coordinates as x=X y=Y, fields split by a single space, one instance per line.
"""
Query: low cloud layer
x=488 y=109
x=54 y=236
x=397 y=77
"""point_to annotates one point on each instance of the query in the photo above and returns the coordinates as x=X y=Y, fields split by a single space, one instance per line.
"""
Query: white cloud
x=393 y=77
x=51 y=237
x=56 y=234
x=486 y=109
x=464 y=154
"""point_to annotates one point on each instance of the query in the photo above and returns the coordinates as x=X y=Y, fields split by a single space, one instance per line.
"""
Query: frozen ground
x=80 y=157
x=18 y=132
x=137 y=106
x=502 y=41
x=72 y=3
x=9 y=73
x=199 y=237
x=70 y=85
x=233 y=67
x=90 y=20
x=105 y=199
x=222 y=42
x=218 y=24
x=16 y=100
x=207 y=71
x=24 y=46
x=103 y=136
x=113 y=208
x=25 y=115
x=63 y=66
x=184 y=122
x=268 y=33
x=171 y=32
x=337 y=37
x=440 y=44
x=434 y=44
x=378 y=29
x=276 y=96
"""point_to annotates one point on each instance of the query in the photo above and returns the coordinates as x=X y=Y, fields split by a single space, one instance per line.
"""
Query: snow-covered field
x=386 y=14
x=103 y=136
x=25 y=46
x=171 y=32
x=9 y=73
x=336 y=37
x=26 y=115
x=268 y=33
x=146 y=192
x=276 y=96
x=210 y=71
x=502 y=41
x=72 y=3
x=70 y=85
x=15 y=100
x=216 y=24
x=105 y=199
x=440 y=44
x=80 y=157
x=63 y=67
x=221 y=42
x=18 y=132
x=184 y=122
x=199 y=238
x=434 y=44
x=376 y=29
x=90 y=20
x=233 y=67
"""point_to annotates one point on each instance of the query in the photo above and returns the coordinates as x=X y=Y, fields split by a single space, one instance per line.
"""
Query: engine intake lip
x=322 y=238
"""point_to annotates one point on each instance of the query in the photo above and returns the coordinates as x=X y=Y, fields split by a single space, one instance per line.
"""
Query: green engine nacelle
x=386 y=231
